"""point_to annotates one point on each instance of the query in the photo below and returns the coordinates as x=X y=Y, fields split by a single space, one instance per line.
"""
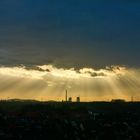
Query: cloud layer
x=69 y=33
x=49 y=82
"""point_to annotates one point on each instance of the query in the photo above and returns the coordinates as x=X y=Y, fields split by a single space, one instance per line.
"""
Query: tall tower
x=66 y=96
x=132 y=98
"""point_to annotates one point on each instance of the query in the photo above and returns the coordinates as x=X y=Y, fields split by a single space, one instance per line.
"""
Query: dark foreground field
x=70 y=121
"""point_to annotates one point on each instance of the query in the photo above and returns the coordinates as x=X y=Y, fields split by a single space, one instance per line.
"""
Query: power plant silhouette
x=69 y=99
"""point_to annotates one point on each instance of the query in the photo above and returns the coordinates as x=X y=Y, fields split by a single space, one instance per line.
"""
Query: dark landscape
x=28 y=119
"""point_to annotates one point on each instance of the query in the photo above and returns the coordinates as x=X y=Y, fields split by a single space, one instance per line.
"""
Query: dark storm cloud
x=69 y=33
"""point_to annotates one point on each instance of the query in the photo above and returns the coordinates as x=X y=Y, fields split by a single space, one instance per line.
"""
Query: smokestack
x=66 y=96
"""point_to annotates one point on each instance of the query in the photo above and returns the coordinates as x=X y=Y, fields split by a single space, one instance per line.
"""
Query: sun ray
x=48 y=82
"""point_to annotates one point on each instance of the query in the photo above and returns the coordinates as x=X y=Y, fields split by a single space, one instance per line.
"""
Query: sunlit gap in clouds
x=48 y=82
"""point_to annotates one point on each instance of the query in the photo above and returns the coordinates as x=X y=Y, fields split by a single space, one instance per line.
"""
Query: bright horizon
x=48 y=82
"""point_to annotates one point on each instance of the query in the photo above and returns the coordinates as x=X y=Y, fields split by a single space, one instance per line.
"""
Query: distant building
x=70 y=99
x=78 y=99
x=118 y=100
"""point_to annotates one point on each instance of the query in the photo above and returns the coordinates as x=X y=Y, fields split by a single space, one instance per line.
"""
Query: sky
x=70 y=35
